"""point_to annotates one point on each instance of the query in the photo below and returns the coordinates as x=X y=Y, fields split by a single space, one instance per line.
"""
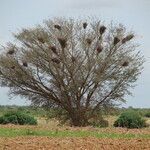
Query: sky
x=134 y=14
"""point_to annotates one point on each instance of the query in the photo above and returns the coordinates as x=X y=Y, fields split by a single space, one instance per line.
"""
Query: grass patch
x=8 y=132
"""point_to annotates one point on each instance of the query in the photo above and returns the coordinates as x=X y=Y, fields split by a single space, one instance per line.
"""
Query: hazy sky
x=135 y=14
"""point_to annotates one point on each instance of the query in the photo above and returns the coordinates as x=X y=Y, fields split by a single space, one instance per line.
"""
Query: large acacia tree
x=74 y=65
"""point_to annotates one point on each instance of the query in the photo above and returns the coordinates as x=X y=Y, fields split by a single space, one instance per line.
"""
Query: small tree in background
x=77 y=66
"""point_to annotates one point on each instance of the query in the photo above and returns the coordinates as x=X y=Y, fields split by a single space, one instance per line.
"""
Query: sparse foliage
x=77 y=66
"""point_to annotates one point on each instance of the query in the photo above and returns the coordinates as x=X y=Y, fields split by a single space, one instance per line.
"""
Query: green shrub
x=147 y=115
x=3 y=120
x=130 y=119
x=12 y=119
x=17 y=118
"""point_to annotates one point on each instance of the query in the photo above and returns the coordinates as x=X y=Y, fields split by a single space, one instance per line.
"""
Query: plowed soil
x=69 y=143
x=46 y=143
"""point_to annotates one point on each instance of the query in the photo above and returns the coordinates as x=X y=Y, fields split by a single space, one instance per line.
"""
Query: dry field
x=133 y=139
x=46 y=143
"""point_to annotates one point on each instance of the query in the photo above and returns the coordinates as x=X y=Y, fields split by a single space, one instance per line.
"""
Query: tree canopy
x=75 y=65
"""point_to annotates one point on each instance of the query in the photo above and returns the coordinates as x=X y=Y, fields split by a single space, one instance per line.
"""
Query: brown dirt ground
x=46 y=143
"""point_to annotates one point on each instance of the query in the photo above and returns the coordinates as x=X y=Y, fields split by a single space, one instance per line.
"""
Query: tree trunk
x=78 y=119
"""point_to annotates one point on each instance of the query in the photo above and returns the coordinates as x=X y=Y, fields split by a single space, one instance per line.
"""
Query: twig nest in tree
x=53 y=48
x=56 y=26
x=73 y=59
x=40 y=39
x=102 y=29
x=12 y=67
x=99 y=49
x=85 y=25
x=116 y=40
x=127 y=38
x=62 y=42
x=125 y=64
x=55 y=60
x=11 y=52
x=89 y=41
x=25 y=64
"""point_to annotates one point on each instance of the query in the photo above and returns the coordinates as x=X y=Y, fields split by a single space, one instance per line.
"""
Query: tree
x=77 y=66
